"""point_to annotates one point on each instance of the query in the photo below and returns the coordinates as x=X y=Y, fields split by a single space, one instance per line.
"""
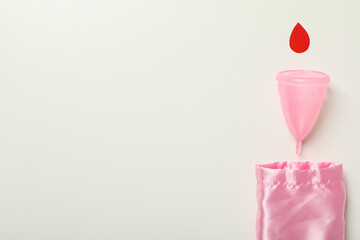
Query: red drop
x=299 y=39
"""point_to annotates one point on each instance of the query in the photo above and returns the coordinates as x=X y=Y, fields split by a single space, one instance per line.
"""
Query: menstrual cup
x=301 y=93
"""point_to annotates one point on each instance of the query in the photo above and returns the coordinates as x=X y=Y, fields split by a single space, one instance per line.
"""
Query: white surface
x=144 y=119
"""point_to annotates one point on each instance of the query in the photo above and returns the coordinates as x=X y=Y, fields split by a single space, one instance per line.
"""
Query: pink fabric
x=300 y=201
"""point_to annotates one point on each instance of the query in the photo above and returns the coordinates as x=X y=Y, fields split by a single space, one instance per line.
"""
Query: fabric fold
x=300 y=201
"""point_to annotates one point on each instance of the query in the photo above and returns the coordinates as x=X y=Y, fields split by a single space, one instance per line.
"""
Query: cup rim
x=303 y=77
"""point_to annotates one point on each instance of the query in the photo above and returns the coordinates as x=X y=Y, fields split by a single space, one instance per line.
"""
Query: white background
x=144 y=119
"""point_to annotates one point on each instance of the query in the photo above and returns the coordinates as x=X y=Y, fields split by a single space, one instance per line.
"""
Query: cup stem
x=298 y=147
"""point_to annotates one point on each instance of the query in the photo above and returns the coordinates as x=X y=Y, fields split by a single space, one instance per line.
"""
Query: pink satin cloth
x=300 y=201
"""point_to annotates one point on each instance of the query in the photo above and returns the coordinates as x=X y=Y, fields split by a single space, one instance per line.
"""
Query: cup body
x=301 y=93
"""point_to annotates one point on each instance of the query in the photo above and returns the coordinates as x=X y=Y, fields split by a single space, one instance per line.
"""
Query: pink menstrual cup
x=302 y=93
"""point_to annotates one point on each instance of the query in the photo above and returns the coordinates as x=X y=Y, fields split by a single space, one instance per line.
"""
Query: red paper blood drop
x=299 y=39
